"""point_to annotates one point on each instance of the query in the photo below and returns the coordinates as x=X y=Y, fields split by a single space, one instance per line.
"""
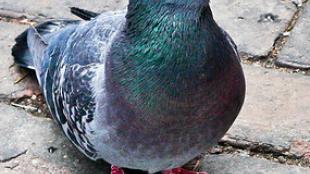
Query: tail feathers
x=36 y=38
x=36 y=45
x=21 y=53
x=83 y=14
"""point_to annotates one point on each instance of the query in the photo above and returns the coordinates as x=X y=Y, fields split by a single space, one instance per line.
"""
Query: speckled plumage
x=149 y=88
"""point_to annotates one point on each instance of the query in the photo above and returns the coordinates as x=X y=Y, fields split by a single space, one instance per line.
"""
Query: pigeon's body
x=149 y=90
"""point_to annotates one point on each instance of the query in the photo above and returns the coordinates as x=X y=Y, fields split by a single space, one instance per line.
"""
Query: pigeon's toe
x=116 y=170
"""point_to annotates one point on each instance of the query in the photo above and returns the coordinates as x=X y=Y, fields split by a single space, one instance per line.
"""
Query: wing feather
x=76 y=58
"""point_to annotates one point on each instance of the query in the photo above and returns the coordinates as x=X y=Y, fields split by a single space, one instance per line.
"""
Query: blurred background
x=271 y=135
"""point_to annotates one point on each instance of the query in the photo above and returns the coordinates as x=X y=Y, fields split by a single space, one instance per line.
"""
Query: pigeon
x=148 y=88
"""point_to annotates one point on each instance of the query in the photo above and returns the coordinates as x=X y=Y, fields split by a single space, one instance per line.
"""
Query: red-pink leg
x=181 y=171
x=116 y=170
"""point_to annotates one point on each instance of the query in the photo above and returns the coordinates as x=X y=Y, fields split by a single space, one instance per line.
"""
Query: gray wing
x=36 y=45
x=73 y=102
x=73 y=60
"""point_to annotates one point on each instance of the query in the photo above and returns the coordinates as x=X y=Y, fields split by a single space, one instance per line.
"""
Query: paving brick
x=8 y=32
x=231 y=164
x=250 y=22
x=21 y=131
x=276 y=110
x=296 y=53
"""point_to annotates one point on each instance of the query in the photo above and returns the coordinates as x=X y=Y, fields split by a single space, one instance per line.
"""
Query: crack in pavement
x=269 y=61
x=13 y=157
x=18 y=17
x=243 y=147
x=255 y=146
x=4 y=98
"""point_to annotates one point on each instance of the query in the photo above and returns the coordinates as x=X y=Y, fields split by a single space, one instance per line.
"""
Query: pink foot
x=181 y=171
x=116 y=170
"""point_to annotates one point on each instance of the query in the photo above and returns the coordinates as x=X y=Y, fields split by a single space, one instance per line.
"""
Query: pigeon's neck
x=175 y=25
x=167 y=44
x=175 y=3
x=172 y=36
x=170 y=50
x=157 y=16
